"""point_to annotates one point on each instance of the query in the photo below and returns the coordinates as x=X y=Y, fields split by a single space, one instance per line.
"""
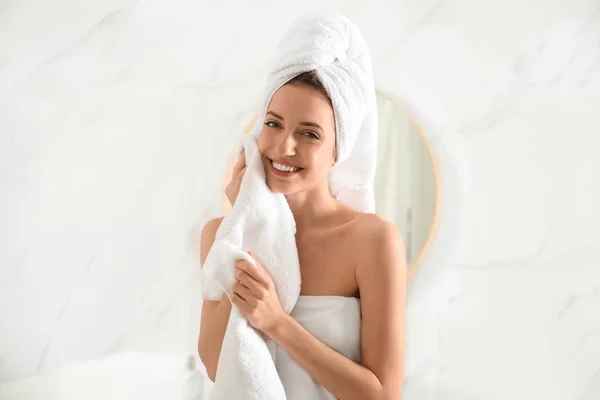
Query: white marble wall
x=117 y=116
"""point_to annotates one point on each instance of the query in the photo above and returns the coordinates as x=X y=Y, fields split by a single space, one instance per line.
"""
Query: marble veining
x=117 y=117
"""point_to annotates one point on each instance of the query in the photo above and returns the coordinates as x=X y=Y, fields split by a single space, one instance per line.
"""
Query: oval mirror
x=407 y=179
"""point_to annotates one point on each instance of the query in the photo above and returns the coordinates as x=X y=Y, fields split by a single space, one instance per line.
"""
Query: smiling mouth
x=282 y=169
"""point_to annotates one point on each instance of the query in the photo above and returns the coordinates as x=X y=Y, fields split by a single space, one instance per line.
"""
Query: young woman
x=345 y=338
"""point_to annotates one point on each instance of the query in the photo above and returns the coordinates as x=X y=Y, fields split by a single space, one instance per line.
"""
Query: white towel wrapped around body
x=261 y=220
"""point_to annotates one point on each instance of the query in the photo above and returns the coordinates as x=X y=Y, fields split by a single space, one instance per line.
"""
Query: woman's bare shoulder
x=376 y=235
x=370 y=223
x=212 y=225
x=207 y=238
x=380 y=248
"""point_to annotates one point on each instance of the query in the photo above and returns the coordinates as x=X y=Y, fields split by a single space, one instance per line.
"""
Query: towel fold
x=261 y=220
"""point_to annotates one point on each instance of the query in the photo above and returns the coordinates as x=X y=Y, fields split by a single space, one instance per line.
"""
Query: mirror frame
x=433 y=228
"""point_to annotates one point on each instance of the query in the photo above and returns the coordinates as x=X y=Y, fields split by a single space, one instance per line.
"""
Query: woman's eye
x=311 y=135
x=271 y=124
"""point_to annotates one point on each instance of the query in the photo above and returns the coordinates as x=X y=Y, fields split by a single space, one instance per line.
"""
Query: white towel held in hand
x=261 y=220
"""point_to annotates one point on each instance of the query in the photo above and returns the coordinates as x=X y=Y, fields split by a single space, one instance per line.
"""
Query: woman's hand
x=233 y=188
x=255 y=296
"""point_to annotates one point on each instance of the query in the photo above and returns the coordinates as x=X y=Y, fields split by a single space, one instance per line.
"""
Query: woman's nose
x=287 y=144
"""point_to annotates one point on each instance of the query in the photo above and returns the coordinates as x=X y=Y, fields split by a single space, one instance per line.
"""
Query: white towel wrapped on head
x=261 y=220
x=332 y=46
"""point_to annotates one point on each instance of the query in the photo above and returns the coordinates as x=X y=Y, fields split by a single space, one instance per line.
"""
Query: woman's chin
x=280 y=187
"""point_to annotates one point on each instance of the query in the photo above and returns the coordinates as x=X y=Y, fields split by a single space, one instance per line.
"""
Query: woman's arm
x=215 y=314
x=342 y=377
x=381 y=277
x=382 y=283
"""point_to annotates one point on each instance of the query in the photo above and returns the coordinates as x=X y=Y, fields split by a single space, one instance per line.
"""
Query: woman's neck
x=311 y=207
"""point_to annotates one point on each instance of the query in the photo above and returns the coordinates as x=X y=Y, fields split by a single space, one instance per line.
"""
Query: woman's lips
x=283 y=173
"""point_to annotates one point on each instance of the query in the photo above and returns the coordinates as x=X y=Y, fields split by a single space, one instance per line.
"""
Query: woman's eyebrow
x=306 y=123
x=275 y=114
x=313 y=124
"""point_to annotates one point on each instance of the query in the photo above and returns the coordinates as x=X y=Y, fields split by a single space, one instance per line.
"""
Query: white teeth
x=284 y=168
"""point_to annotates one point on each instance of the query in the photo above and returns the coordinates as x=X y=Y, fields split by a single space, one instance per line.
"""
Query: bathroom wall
x=116 y=118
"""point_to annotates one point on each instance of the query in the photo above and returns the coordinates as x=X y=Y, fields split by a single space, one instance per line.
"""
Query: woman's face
x=297 y=140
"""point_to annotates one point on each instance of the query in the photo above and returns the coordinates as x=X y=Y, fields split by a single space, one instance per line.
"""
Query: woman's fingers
x=243 y=267
x=233 y=188
x=241 y=174
x=253 y=286
x=240 y=164
x=259 y=272
x=255 y=271
x=239 y=302
x=243 y=292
